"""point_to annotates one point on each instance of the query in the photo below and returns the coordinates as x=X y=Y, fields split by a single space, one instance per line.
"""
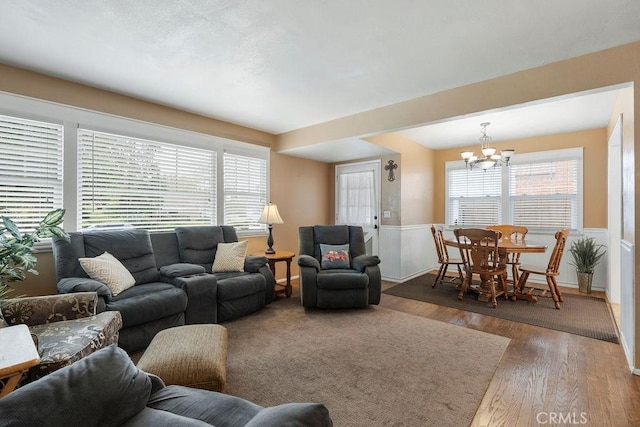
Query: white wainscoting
x=408 y=251
x=627 y=300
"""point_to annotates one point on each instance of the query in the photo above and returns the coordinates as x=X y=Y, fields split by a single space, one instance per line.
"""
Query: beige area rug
x=371 y=367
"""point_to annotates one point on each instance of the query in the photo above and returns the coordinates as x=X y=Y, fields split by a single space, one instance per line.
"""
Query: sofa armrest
x=202 y=296
x=83 y=284
x=252 y=264
x=181 y=269
x=361 y=262
x=33 y=311
x=308 y=261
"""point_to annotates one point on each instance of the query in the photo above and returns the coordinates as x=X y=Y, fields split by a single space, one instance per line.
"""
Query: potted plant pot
x=586 y=254
x=584 y=282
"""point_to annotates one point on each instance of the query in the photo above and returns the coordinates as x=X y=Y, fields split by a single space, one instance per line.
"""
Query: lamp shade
x=270 y=215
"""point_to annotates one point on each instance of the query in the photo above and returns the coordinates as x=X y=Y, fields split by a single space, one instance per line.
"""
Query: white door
x=615 y=213
x=358 y=199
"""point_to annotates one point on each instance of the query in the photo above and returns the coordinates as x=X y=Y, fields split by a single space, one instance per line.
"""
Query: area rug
x=370 y=367
x=581 y=315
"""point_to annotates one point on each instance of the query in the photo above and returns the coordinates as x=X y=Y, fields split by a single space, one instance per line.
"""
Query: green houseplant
x=586 y=254
x=16 y=249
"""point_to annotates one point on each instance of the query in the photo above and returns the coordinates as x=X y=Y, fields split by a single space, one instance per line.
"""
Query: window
x=147 y=184
x=474 y=197
x=117 y=171
x=245 y=190
x=356 y=198
x=538 y=190
x=545 y=194
x=31 y=173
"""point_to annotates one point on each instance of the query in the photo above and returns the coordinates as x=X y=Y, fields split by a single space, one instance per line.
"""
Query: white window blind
x=31 y=173
x=356 y=198
x=544 y=194
x=147 y=184
x=245 y=190
x=474 y=197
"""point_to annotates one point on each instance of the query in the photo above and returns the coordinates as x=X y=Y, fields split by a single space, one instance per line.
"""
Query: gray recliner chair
x=329 y=280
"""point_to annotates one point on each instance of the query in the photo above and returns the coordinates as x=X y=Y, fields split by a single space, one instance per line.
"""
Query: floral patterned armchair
x=65 y=328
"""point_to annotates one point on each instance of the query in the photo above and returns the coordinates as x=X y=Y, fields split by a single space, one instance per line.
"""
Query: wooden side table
x=17 y=354
x=273 y=259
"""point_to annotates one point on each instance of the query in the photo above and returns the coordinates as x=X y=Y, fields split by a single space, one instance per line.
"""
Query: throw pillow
x=108 y=270
x=334 y=256
x=230 y=257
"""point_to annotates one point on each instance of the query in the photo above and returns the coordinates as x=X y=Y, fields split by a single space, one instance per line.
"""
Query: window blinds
x=31 y=173
x=544 y=194
x=474 y=197
x=147 y=184
x=245 y=190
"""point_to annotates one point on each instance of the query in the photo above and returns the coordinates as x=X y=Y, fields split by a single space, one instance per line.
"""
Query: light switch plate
x=386 y=214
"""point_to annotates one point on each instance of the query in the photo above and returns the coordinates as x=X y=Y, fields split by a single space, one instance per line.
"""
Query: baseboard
x=413 y=276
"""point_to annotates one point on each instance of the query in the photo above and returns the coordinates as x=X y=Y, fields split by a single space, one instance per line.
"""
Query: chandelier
x=488 y=158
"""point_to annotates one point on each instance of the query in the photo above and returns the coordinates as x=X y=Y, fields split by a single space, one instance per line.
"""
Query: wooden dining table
x=506 y=246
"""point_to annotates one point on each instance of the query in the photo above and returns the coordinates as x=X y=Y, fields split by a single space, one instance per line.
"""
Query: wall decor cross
x=390 y=166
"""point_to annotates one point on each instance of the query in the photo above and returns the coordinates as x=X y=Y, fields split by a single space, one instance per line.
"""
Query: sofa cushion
x=230 y=257
x=132 y=247
x=238 y=285
x=211 y=407
x=150 y=301
x=342 y=279
x=293 y=414
x=104 y=388
x=158 y=418
x=197 y=245
x=108 y=270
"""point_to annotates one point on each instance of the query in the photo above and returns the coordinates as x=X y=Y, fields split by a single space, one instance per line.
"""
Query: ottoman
x=190 y=355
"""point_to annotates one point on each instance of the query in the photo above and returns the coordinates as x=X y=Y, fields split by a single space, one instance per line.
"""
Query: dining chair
x=515 y=233
x=443 y=257
x=480 y=255
x=550 y=271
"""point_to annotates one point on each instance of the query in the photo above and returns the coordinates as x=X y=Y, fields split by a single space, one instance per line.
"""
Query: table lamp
x=270 y=216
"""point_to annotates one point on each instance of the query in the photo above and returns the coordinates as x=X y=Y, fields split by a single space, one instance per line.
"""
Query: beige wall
x=27 y=83
x=594 y=169
x=410 y=197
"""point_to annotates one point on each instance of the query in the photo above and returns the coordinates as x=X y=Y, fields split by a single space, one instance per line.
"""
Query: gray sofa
x=173 y=283
x=106 y=389
x=356 y=284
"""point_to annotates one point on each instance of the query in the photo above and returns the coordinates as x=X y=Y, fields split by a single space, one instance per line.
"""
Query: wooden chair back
x=478 y=249
x=514 y=233
x=511 y=232
x=558 y=250
x=441 y=247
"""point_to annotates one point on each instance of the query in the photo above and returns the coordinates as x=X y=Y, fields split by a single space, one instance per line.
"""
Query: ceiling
x=281 y=65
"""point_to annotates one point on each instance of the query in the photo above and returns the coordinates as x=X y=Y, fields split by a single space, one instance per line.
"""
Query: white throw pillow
x=230 y=257
x=108 y=270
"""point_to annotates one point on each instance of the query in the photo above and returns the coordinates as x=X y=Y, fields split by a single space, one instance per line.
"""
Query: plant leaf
x=11 y=227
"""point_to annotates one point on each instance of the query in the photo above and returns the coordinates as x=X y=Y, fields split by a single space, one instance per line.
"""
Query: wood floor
x=545 y=377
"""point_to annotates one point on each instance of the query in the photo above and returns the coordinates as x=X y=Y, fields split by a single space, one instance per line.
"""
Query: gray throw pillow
x=334 y=256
